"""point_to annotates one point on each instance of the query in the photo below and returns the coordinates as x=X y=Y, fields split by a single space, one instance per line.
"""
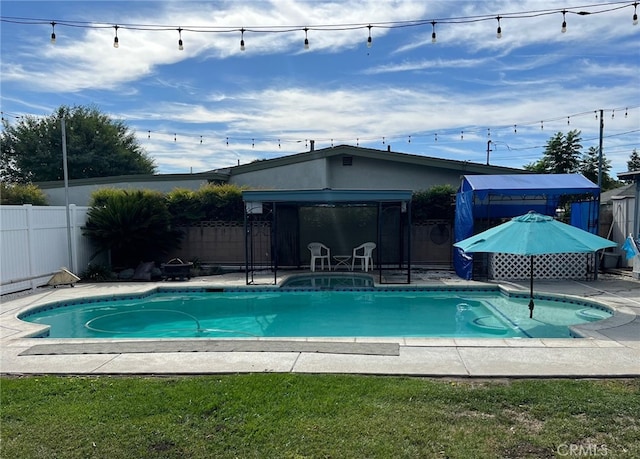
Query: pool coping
x=609 y=348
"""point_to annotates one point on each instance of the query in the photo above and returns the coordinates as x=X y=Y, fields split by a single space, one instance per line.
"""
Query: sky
x=212 y=105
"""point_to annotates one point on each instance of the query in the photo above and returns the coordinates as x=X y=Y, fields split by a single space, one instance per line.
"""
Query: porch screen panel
x=341 y=228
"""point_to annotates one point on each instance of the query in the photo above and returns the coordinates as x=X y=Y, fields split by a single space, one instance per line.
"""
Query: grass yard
x=316 y=416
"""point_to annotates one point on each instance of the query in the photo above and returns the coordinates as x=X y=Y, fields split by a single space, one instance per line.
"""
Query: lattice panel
x=551 y=266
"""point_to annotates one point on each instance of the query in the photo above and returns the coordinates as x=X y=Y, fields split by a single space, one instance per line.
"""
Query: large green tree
x=590 y=165
x=561 y=155
x=97 y=146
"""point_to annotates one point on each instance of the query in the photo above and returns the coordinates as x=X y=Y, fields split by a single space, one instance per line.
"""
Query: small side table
x=342 y=260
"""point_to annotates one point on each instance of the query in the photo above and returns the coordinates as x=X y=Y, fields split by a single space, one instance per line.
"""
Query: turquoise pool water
x=367 y=312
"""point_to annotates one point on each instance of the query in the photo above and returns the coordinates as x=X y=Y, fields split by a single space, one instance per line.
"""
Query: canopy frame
x=273 y=206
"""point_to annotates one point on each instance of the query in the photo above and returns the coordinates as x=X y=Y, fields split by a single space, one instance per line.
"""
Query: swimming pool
x=315 y=312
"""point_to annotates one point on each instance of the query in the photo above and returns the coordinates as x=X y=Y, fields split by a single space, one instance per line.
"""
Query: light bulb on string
x=635 y=13
x=499 y=29
x=180 y=45
x=433 y=31
x=53 y=33
x=116 y=41
x=242 y=39
x=564 y=22
x=306 y=39
x=369 y=43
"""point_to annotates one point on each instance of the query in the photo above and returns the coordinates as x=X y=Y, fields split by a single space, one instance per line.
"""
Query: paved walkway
x=611 y=348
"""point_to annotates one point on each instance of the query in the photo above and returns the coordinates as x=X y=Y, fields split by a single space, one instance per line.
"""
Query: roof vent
x=347 y=160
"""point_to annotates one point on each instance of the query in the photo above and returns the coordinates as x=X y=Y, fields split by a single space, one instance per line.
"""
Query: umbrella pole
x=531 y=292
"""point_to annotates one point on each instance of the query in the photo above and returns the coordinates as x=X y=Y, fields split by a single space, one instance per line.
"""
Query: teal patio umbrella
x=534 y=234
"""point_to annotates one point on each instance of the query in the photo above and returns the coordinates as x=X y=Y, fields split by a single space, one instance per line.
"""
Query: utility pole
x=600 y=150
x=488 y=150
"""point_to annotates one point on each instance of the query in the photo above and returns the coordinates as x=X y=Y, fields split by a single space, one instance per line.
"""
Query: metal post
x=488 y=150
x=66 y=193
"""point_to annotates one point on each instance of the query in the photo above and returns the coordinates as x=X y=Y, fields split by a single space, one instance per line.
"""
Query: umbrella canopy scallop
x=534 y=234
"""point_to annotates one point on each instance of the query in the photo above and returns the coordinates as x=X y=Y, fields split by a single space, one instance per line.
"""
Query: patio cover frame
x=506 y=196
x=301 y=198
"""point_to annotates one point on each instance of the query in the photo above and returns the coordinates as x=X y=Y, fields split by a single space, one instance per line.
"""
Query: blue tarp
x=507 y=196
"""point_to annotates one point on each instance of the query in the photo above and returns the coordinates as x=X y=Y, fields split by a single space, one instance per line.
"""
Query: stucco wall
x=367 y=173
x=307 y=175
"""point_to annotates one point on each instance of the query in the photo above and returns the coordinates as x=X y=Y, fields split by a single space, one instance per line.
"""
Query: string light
x=599 y=8
x=306 y=40
x=180 y=46
x=437 y=136
x=433 y=33
x=242 y=39
x=53 y=33
x=499 y=30
x=116 y=42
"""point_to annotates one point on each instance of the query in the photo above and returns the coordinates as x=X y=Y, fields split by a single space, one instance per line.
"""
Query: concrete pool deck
x=611 y=348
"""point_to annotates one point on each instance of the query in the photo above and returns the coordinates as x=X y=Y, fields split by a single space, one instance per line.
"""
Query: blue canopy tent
x=493 y=197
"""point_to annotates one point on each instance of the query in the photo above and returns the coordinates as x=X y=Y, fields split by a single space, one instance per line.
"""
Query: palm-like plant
x=133 y=225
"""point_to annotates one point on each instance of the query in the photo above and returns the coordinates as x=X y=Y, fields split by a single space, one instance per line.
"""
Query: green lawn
x=318 y=416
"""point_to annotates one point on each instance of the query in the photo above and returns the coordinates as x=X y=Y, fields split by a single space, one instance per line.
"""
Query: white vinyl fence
x=34 y=244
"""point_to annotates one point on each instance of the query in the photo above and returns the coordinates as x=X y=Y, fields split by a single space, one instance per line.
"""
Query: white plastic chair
x=321 y=252
x=364 y=253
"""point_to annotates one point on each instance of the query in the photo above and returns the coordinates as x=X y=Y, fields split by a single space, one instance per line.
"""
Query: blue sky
x=212 y=105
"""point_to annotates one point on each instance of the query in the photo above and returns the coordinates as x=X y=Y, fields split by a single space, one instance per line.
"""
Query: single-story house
x=339 y=167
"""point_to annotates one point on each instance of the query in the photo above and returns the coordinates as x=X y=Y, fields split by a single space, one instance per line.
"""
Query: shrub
x=184 y=206
x=21 y=193
x=221 y=202
x=433 y=204
x=134 y=225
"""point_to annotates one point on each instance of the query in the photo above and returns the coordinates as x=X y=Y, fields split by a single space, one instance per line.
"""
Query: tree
x=589 y=167
x=561 y=155
x=97 y=146
x=634 y=161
